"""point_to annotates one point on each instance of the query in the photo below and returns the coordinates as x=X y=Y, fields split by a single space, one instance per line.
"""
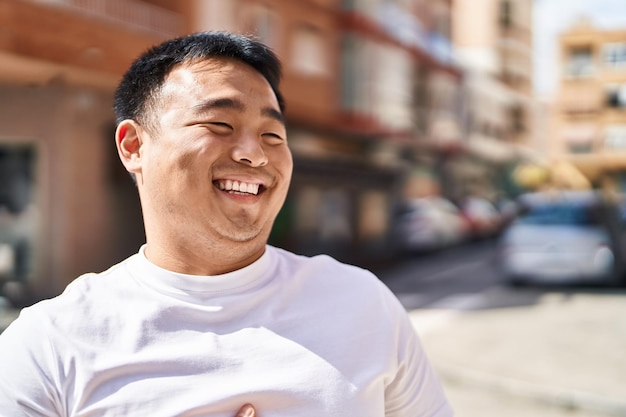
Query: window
x=348 y=87
x=353 y=75
x=579 y=62
x=348 y=4
x=580 y=137
x=334 y=211
x=308 y=52
x=615 y=137
x=323 y=214
x=579 y=148
x=391 y=87
x=616 y=96
x=373 y=215
x=16 y=177
x=517 y=119
x=307 y=215
x=18 y=215
x=264 y=23
x=506 y=13
x=559 y=214
x=615 y=54
x=421 y=98
x=216 y=14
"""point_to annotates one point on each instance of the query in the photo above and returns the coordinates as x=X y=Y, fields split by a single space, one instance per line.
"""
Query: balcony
x=80 y=39
x=135 y=14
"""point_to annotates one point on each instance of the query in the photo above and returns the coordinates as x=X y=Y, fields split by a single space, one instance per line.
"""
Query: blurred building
x=374 y=113
x=394 y=121
x=66 y=205
x=493 y=44
x=590 y=114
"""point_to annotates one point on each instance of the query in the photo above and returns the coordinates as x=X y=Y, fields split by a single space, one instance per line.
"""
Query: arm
x=25 y=387
x=415 y=390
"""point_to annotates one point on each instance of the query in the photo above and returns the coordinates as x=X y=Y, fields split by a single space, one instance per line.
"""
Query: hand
x=247 y=410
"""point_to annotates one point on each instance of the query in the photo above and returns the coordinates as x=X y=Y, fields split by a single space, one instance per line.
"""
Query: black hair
x=140 y=85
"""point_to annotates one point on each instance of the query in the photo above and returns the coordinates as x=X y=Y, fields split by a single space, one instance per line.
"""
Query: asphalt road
x=454 y=275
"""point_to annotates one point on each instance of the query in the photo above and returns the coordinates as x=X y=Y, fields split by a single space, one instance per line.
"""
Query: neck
x=202 y=260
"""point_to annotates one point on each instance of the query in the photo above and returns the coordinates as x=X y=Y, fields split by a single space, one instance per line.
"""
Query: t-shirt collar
x=164 y=280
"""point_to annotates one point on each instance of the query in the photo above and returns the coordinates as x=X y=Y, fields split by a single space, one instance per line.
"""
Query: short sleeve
x=415 y=391
x=26 y=387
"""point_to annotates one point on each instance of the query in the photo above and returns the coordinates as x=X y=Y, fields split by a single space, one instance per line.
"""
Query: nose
x=249 y=150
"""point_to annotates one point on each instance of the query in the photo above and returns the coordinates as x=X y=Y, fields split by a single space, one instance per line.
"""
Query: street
x=453 y=276
x=502 y=351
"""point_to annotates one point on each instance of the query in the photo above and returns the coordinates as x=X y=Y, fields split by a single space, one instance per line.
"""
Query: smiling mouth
x=239 y=187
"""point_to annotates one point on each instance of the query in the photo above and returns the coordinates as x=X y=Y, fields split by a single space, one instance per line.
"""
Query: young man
x=207 y=317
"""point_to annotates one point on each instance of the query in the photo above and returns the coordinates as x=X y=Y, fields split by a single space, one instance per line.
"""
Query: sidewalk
x=568 y=350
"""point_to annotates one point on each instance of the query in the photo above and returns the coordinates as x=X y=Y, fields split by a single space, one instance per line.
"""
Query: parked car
x=564 y=237
x=482 y=217
x=507 y=209
x=427 y=224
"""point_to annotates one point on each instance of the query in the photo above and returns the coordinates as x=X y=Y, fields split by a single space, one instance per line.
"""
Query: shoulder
x=339 y=281
x=78 y=298
x=322 y=266
x=93 y=285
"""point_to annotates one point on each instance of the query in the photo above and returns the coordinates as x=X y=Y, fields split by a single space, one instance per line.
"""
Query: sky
x=554 y=16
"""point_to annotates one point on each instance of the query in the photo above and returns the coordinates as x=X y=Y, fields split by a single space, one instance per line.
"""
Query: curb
x=559 y=397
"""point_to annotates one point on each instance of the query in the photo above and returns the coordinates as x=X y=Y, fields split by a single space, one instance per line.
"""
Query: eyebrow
x=274 y=114
x=229 y=103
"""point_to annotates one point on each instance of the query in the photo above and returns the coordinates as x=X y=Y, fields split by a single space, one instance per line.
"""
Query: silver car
x=427 y=224
x=564 y=237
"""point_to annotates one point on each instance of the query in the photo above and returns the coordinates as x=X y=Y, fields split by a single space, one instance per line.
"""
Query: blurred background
x=426 y=134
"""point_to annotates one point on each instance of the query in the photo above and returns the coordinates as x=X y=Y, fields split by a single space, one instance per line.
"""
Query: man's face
x=216 y=167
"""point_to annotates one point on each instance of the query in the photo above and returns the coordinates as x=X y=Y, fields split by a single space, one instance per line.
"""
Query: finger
x=246 y=411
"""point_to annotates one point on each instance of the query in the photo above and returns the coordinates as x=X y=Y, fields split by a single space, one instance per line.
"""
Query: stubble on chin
x=243 y=236
x=241 y=231
x=239 y=244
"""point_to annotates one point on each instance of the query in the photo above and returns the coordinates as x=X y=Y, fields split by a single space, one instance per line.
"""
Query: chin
x=247 y=235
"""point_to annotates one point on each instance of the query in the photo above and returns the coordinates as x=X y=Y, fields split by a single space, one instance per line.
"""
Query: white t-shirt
x=293 y=335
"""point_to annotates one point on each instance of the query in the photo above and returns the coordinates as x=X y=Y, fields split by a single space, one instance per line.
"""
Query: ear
x=129 y=142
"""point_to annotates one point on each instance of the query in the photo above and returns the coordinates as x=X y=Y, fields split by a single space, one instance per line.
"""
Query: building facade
x=66 y=206
x=590 y=110
x=493 y=44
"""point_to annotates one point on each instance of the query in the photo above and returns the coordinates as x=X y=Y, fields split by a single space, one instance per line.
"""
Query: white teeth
x=238 y=186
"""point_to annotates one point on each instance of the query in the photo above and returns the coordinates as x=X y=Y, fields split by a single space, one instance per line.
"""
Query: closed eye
x=274 y=135
x=220 y=128
x=273 y=138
